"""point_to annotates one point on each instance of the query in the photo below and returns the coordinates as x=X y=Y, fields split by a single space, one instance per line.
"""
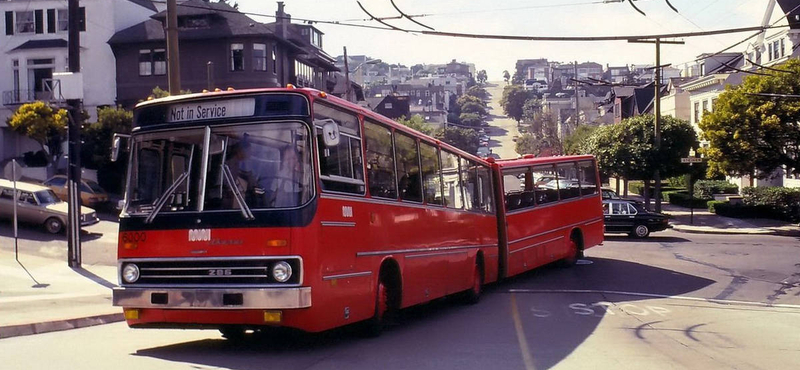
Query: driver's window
x=25 y=197
x=620 y=208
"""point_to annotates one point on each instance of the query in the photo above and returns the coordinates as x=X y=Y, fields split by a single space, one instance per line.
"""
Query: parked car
x=92 y=194
x=483 y=151
x=39 y=205
x=609 y=194
x=627 y=216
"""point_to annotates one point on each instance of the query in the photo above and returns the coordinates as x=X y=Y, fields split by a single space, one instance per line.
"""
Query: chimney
x=282 y=19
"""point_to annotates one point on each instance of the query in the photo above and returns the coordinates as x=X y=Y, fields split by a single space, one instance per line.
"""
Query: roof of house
x=233 y=23
x=145 y=3
x=42 y=44
x=792 y=7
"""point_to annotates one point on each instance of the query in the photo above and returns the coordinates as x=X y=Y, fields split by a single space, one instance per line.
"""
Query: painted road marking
x=651 y=295
x=527 y=358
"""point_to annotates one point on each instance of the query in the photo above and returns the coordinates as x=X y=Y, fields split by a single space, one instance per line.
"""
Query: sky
x=525 y=18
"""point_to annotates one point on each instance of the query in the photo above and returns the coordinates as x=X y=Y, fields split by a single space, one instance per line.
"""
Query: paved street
x=675 y=300
x=502 y=129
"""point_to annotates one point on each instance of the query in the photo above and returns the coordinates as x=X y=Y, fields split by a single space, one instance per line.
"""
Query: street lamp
x=347 y=72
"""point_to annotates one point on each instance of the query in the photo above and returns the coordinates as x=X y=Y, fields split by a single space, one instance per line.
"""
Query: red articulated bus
x=288 y=207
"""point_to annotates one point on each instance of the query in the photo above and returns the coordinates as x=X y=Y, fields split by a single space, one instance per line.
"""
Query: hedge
x=742 y=211
x=707 y=188
x=783 y=203
x=682 y=198
x=637 y=187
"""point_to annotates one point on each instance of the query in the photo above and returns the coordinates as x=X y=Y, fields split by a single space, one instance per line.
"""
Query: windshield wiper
x=236 y=193
x=163 y=199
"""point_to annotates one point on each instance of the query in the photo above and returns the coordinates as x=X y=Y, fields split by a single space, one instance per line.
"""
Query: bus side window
x=430 y=173
x=341 y=166
x=484 y=187
x=379 y=150
x=588 y=177
x=408 y=170
x=451 y=180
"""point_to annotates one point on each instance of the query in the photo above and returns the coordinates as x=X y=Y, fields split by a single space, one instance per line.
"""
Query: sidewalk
x=706 y=222
x=44 y=295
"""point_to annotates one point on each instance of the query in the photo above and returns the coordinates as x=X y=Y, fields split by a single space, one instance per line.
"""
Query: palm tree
x=506 y=76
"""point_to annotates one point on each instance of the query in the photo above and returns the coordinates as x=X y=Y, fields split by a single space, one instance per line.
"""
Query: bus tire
x=374 y=326
x=232 y=333
x=574 y=251
x=473 y=294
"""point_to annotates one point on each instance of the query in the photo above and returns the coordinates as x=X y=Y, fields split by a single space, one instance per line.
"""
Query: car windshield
x=249 y=167
x=94 y=186
x=47 y=197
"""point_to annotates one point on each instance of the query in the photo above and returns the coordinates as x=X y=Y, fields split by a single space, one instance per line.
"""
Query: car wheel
x=53 y=225
x=641 y=231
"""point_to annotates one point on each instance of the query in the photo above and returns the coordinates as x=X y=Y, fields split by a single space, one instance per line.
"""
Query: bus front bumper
x=244 y=298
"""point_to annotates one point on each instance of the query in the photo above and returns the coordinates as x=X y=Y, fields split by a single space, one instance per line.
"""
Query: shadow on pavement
x=651 y=239
x=445 y=334
x=97 y=279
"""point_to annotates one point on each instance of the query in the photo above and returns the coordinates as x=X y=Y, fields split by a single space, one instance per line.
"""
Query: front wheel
x=53 y=225
x=572 y=255
x=640 y=231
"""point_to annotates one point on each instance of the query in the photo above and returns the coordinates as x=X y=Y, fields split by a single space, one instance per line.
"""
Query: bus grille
x=212 y=272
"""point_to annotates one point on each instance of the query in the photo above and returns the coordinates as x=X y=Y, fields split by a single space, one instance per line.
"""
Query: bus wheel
x=473 y=294
x=375 y=325
x=232 y=333
x=573 y=255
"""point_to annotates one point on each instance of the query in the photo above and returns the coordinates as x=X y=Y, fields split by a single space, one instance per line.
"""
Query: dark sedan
x=626 y=216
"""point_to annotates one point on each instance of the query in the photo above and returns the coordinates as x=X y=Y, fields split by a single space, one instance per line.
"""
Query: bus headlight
x=282 y=271
x=130 y=273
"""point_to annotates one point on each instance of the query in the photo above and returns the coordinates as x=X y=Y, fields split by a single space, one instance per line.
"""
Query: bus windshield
x=248 y=167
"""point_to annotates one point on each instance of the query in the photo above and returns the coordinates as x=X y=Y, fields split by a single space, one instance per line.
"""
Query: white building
x=34 y=46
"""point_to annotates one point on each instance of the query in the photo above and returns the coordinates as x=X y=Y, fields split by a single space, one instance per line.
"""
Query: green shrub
x=707 y=188
x=682 y=198
x=636 y=187
x=713 y=204
x=743 y=211
x=678 y=182
x=783 y=203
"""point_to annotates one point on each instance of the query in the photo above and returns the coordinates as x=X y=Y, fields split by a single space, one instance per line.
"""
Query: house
x=220 y=48
x=775 y=46
x=617 y=75
x=393 y=106
x=675 y=101
x=34 y=46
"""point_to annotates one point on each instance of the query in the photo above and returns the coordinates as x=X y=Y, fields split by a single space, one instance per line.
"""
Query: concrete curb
x=59 y=325
x=710 y=230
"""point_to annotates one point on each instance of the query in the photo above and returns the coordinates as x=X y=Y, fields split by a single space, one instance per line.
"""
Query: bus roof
x=314 y=94
x=532 y=161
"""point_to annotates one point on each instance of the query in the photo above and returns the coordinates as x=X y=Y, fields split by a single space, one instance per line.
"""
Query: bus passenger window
x=431 y=174
x=451 y=180
x=545 y=184
x=588 y=177
x=410 y=182
x=380 y=161
x=568 y=185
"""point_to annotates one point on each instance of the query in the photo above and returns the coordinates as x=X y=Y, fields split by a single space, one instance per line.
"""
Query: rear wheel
x=53 y=225
x=573 y=254
x=640 y=231
x=375 y=325
x=473 y=294
x=233 y=333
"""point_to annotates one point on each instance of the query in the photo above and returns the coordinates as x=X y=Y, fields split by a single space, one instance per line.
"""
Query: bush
x=707 y=188
x=682 y=198
x=741 y=211
x=637 y=187
x=678 y=182
x=783 y=203
x=713 y=204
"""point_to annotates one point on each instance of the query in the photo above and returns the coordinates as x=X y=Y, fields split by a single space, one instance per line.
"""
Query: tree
x=751 y=134
x=158 y=92
x=96 y=146
x=416 y=122
x=42 y=123
x=575 y=142
x=506 y=76
x=462 y=138
x=627 y=149
x=518 y=79
x=477 y=92
x=470 y=119
x=538 y=146
x=472 y=107
x=482 y=76
x=513 y=100
x=467 y=98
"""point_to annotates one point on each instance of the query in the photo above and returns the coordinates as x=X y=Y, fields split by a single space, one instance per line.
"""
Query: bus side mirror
x=115 y=147
x=330 y=132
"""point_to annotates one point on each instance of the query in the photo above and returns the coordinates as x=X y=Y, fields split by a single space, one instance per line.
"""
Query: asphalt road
x=501 y=128
x=685 y=301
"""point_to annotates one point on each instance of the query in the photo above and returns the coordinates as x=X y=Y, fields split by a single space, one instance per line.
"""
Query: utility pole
x=174 y=67
x=657 y=107
x=346 y=75
x=577 y=105
x=74 y=143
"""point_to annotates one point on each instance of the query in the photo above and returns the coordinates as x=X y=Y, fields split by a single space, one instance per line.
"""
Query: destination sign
x=217 y=109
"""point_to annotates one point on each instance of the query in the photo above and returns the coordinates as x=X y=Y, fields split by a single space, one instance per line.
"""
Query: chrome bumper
x=231 y=299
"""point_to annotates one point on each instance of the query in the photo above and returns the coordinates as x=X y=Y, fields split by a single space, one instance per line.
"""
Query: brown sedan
x=39 y=205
